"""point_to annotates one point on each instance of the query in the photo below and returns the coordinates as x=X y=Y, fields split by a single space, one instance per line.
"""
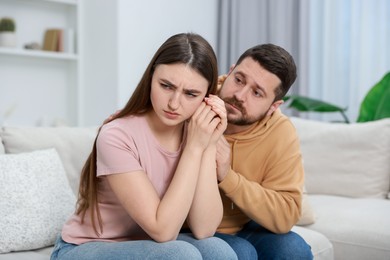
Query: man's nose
x=241 y=93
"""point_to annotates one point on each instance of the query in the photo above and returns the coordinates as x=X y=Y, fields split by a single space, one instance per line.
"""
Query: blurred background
x=340 y=47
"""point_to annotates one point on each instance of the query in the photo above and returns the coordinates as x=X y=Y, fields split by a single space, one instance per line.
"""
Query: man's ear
x=274 y=106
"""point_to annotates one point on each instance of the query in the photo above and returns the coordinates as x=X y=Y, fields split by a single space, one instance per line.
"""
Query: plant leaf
x=306 y=104
x=376 y=104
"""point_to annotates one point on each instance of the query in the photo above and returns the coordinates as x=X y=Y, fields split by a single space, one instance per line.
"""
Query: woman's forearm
x=161 y=218
x=206 y=210
x=176 y=203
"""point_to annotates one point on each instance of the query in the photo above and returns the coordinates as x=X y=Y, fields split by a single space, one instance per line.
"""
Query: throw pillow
x=350 y=160
x=73 y=144
x=35 y=200
x=307 y=214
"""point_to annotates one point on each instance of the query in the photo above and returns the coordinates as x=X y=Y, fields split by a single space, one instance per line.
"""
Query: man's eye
x=257 y=93
x=238 y=80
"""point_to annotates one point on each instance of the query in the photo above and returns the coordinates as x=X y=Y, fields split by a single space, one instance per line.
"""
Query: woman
x=153 y=167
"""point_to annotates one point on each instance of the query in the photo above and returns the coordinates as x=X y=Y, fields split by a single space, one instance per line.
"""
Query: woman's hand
x=207 y=209
x=218 y=106
x=202 y=126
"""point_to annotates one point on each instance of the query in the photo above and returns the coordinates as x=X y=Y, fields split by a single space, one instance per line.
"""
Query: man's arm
x=273 y=201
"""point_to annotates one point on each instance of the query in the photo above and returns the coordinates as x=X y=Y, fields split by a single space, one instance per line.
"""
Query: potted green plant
x=307 y=104
x=375 y=105
x=7 y=32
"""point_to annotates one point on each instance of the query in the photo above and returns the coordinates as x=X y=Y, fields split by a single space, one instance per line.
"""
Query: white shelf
x=38 y=54
x=43 y=86
x=68 y=2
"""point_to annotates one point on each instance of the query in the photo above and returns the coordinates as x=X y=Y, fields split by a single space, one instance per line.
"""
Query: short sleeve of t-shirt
x=116 y=149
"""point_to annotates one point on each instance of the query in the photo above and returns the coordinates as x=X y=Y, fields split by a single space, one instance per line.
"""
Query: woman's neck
x=169 y=137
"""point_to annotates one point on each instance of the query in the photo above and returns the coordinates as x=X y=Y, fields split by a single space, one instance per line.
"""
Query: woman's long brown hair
x=184 y=48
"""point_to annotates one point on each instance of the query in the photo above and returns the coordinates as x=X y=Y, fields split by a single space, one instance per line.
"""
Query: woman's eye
x=190 y=94
x=166 y=86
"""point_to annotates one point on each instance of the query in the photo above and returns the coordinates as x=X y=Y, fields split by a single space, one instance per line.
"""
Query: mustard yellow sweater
x=266 y=178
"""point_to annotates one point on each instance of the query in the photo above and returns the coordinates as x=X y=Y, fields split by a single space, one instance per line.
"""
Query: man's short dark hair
x=276 y=60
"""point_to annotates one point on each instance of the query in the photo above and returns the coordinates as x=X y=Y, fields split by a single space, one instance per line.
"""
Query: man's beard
x=244 y=119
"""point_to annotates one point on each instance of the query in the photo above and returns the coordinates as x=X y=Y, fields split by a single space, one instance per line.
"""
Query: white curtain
x=341 y=47
x=245 y=23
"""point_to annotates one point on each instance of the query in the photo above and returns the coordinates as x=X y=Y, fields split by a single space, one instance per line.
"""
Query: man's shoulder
x=278 y=119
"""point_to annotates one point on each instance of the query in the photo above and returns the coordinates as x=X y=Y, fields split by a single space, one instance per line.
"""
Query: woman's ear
x=274 y=106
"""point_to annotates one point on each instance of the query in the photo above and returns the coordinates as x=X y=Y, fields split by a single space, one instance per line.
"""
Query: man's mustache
x=234 y=102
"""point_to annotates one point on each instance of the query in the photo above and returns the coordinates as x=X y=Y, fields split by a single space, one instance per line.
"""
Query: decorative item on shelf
x=32 y=46
x=7 y=32
x=50 y=42
x=59 y=40
x=69 y=40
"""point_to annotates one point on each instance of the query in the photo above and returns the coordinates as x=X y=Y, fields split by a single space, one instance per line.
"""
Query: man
x=260 y=170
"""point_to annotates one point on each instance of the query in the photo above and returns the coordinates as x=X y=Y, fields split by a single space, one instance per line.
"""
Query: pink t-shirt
x=124 y=145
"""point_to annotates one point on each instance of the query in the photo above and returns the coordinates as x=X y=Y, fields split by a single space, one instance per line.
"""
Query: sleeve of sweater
x=272 y=195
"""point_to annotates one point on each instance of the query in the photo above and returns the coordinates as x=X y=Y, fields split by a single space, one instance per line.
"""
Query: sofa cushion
x=2 y=150
x=346 y=159
x=37 y=254
x=307 y=214
x=357 y=228
x=73 y=144
x=321 y=247
x=36 y=199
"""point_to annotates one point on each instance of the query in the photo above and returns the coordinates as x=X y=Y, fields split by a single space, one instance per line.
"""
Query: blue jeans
x=268 y=245
x=185 y=247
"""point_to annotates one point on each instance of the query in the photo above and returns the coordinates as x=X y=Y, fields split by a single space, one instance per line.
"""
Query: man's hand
x=223 y=158
x=221 y=79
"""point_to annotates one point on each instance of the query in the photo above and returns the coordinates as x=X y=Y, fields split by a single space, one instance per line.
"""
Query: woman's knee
x=141 y=249
x=211 y=248
x=176 y=250
x=243 y=248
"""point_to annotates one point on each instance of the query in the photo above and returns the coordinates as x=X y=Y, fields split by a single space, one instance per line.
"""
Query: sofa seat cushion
x=357 y=228
x=321 y=247
x=38 y=254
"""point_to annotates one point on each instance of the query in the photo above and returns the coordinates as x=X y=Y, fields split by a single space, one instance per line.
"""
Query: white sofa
x=347 y=181
x=347 y=177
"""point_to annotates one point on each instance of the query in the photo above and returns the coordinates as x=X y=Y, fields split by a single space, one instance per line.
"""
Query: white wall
x=100 y=60
x=115 y=61
x=146 y=25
